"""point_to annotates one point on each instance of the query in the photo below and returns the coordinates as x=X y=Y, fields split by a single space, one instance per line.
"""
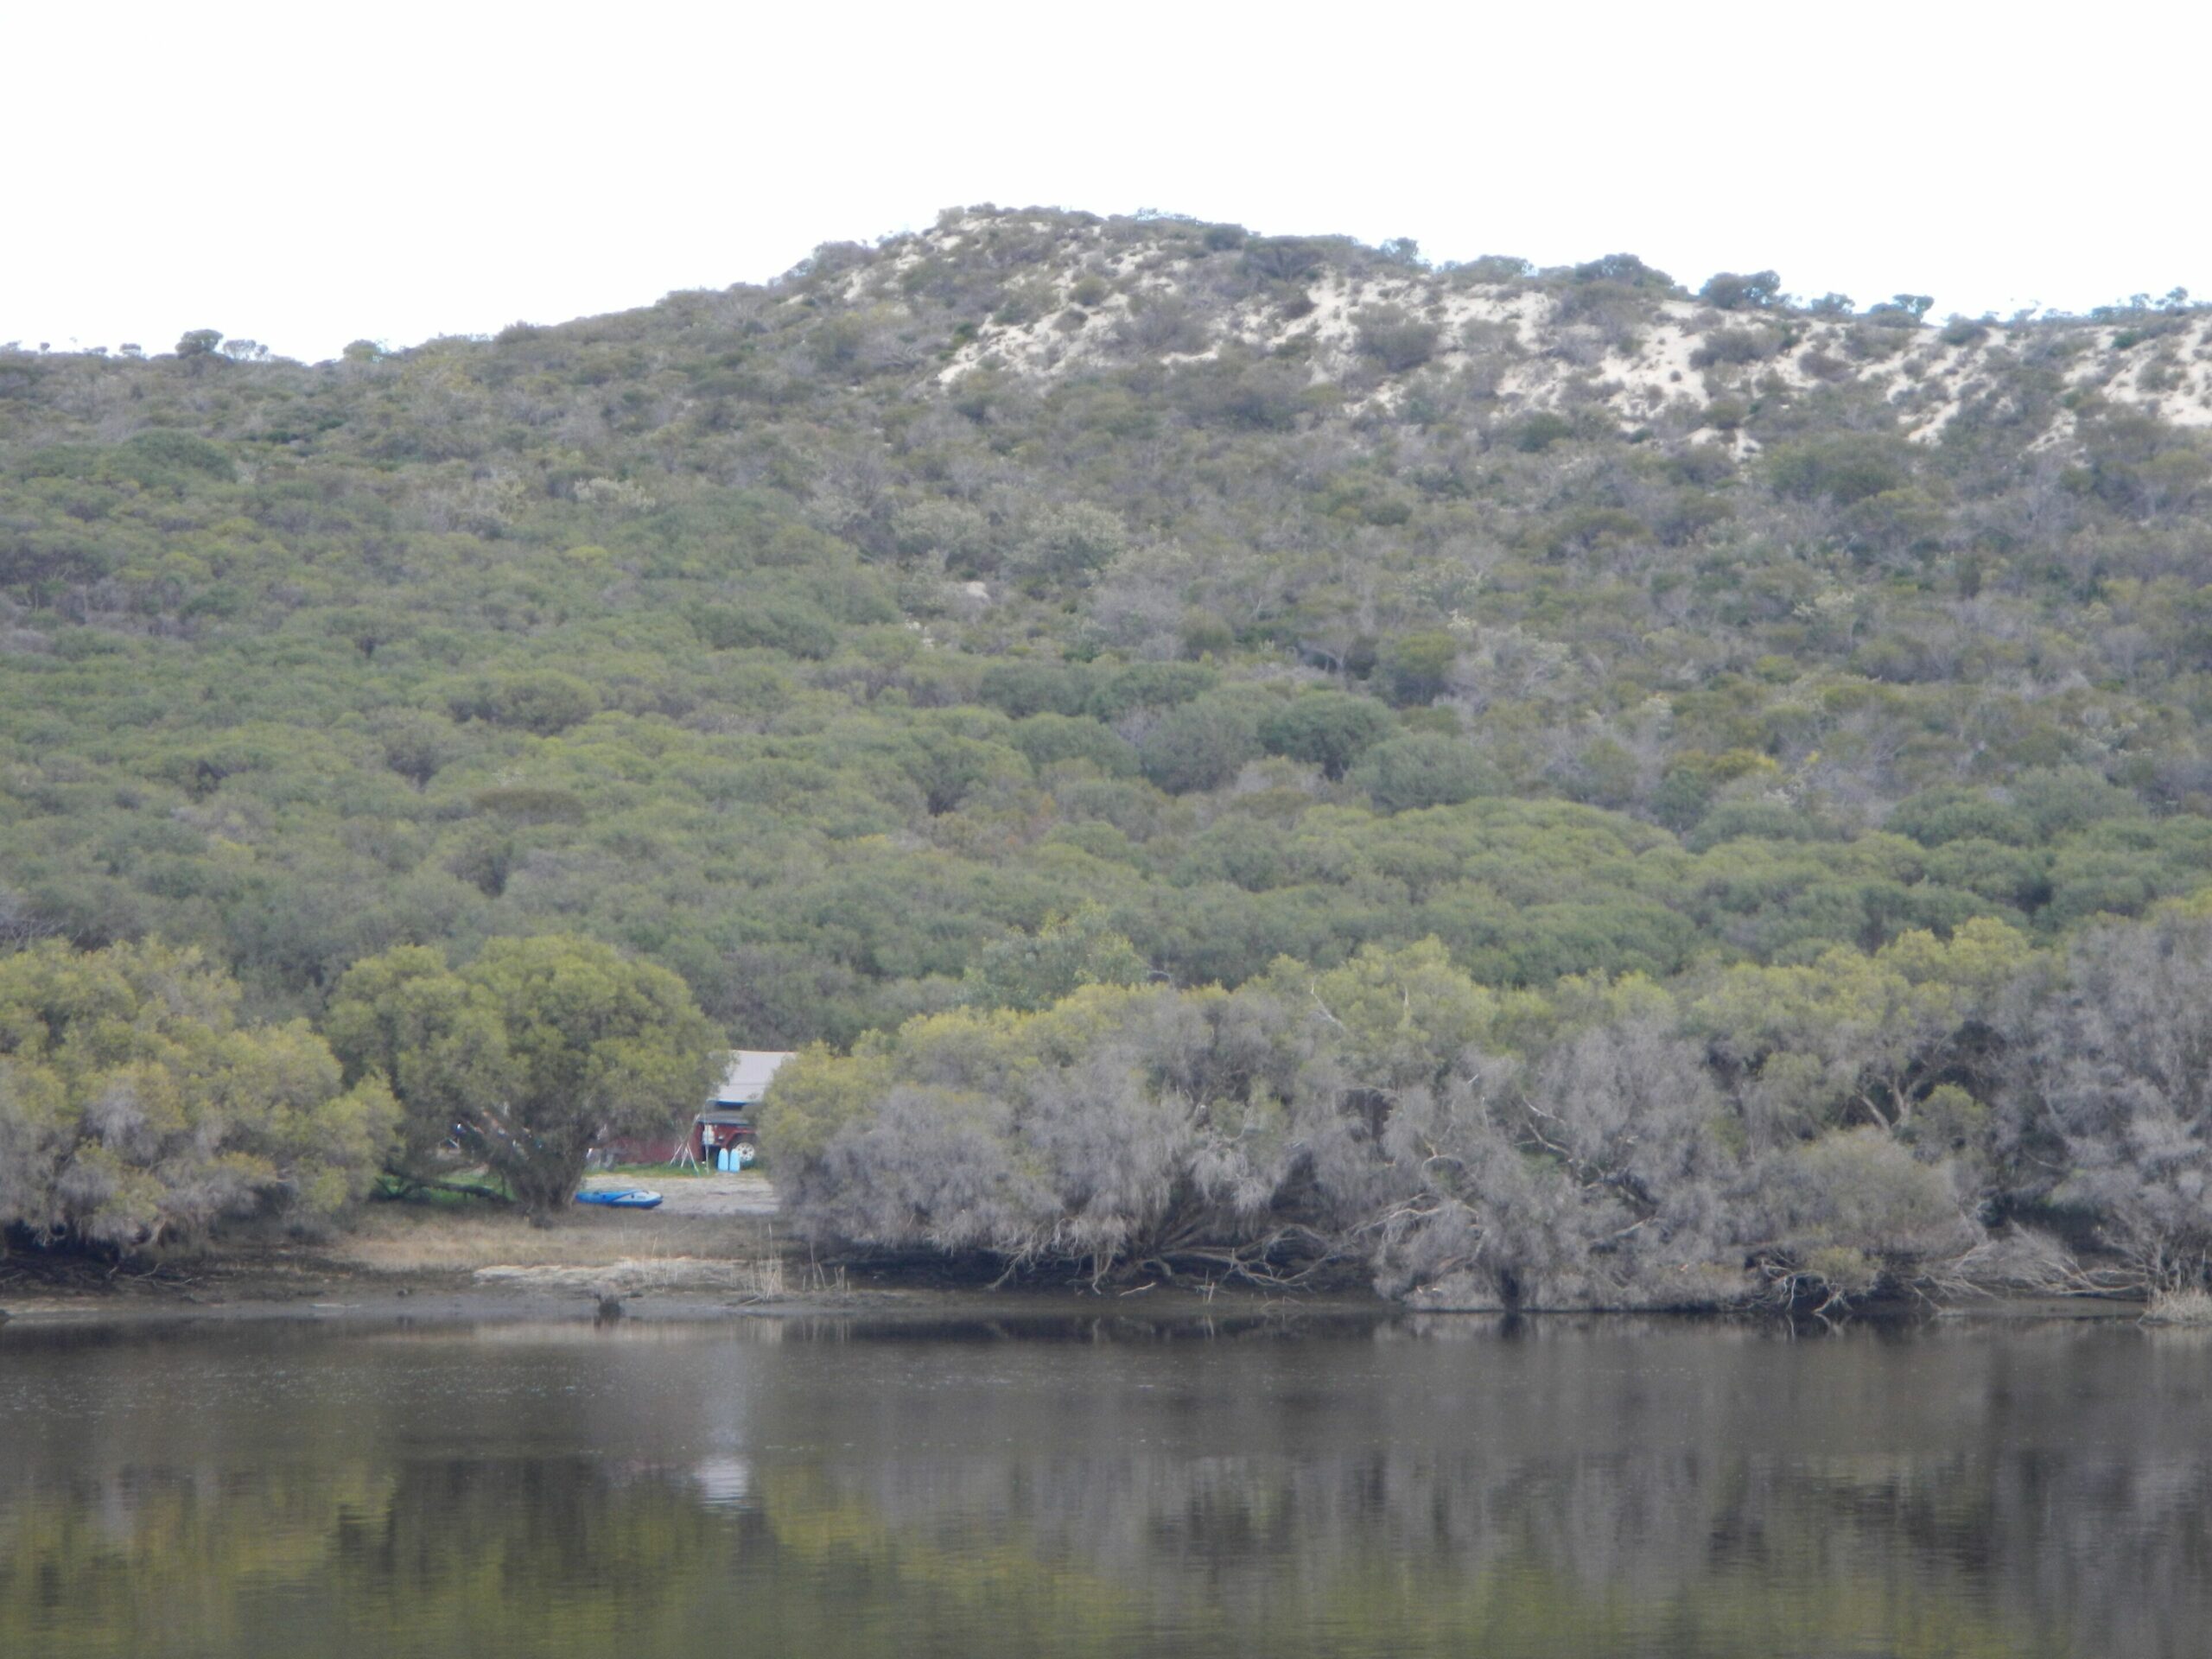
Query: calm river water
x=1049 y=1485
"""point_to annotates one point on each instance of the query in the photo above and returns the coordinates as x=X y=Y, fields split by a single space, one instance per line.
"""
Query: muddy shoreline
x=303 y=1287
x=711 y=1251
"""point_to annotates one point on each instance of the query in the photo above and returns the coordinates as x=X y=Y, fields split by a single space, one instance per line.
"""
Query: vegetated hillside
x=1221 y=599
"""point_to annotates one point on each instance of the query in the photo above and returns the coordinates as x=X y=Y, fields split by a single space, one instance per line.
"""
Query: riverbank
x=712 y=1243
x=711 y=1249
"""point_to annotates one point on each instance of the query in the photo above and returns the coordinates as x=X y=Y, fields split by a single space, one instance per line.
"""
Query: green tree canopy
x=1327 y=728
x=527 y=1057
x=1423 y=769
x=1032 y=971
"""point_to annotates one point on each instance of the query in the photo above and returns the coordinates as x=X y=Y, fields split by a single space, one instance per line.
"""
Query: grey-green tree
x=136 y=1109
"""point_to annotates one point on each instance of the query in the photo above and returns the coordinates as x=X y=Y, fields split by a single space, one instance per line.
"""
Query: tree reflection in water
x=1056 y=1487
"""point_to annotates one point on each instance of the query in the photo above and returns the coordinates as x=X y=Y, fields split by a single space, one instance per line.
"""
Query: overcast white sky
x=306 y=176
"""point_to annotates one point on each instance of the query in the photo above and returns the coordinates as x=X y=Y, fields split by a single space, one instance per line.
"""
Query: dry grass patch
x=2179 y=1307
x=401 y=1239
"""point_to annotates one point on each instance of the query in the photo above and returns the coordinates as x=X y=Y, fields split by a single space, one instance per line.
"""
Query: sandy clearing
x=750 y=1193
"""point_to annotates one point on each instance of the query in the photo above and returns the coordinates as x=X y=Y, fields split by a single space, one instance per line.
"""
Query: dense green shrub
x=1022 y=689
x=1424 y=769
x=1416 y=668
x=1536 y=432
x=1395 y=338
x=1844 y=468
x=1934 y=817
x=1733 y=347
x=1198 y=744
x=777 y=625
x=543 y=702
x=1285 y=258
x=1327 y=728
x=1050 y=739
x=1727 y=290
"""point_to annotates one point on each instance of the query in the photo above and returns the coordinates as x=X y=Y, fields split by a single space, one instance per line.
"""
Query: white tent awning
x=746 y=1078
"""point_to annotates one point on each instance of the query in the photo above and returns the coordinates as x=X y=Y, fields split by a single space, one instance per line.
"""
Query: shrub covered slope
x=1043 y=602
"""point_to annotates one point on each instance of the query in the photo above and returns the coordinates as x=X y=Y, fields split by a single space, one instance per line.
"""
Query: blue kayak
x=628 y=1198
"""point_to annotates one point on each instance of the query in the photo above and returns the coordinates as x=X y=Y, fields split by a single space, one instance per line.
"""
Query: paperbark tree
x=135 y=1110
